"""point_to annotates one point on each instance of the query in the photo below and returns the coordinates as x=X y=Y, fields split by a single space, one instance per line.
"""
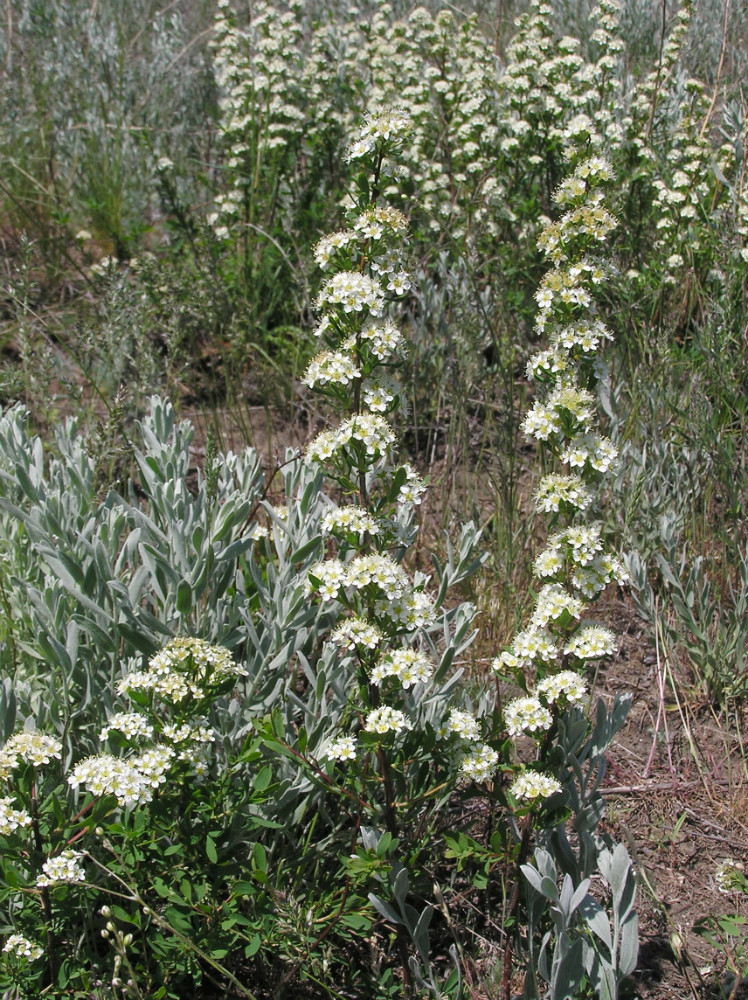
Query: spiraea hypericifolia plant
x=96 y=834
x=398 y=741
x=550 y=656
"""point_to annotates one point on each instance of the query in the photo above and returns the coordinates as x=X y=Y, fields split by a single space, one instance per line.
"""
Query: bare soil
x=678 y=797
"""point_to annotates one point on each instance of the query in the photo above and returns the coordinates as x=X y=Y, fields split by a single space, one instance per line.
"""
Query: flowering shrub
x=345 y=659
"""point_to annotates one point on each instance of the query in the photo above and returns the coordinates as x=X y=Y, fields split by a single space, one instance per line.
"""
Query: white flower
x=331 y=366
x=555 y=491
x=461 y=724
x=183 y=667
x=549 y=562
x=189 y=732
x=554 y=602
x=532 y=785
x=31 y=747
x=478 y=764
x=729 y=876
x=526 y=715
x=327 y=247
x=353 y=633
x=11 y=819
x=153 y=764
x=63 y=867
x=534 y=643
x=383 y=339
x=354 y=292
x=130 y=724
x=566 y=686
x=385 y=719
x=21 y=947
x=344 y=748
x=541 y=422
x=412 y=489
x=409 y=666
x=331 y=575
x=349 y=519
x=107 y=775
x=592 y=642
x=380 y=571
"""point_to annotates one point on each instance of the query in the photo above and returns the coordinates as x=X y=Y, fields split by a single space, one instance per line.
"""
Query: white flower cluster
x=131 y=781
x=533 y=645
x=378 y=396
x=357 y=633
x=555 y=604
x=729 y=876
x=412 y=489
x=591 y=450
x=440 y=67
x=527 y=715
x=478 y=763
x=574 y=565
x=553 y=92
x=348 y=520
x=374 y=222
x=591 y=643
x=21 y=947
x=386 y=124
x=258 y=71
x=354 y=292
x=398 y=601
x=382 y=339
x=556 y=492
x=564 y=688
x=327 y=248
x=590 y=219
x=374 y=569
x=387 y=720
x=565 y=289
x=529 y=786
x=568 y=409
x=132 y=725
x=11 y=819
x=29 y=747
x=409 y=666
x=184 y=667
x=64 y=867
x=461 y=724
x=331 y=366
x=189 y=732
x=344 y=748
x=579 y=550
x=370 y=429
x=581 y=338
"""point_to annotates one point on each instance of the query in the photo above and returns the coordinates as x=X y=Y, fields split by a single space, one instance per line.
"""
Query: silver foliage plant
x=96 y=580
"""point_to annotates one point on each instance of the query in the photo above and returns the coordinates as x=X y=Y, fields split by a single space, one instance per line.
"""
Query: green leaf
x=356 y=921
x=253 y=947
x=362 y=183
x=259 y=856
x=244 y=888
x=184 y=597
x=210 y=849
